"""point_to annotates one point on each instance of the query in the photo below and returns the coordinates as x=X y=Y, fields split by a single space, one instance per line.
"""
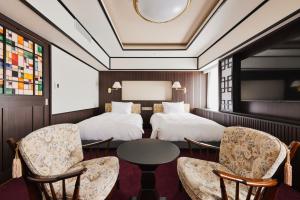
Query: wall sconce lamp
x=176 y=85
x=296 y=84
x=116 y=86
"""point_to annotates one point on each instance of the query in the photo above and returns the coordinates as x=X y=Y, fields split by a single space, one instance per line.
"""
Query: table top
x=148 y=151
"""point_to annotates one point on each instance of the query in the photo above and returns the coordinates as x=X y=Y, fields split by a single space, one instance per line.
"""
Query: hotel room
x=150 y=99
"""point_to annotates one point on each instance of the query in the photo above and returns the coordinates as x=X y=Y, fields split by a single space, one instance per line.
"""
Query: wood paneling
x=190 y=80
x=286 y=132
x=285 y=110
x=18 y=120
x=19 y=114
x=74 y=117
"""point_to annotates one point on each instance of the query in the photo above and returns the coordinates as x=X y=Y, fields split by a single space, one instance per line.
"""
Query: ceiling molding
x=60 y=30
x=110 y=41
x=152 y=63
x=195 y=35
x=75 y=18
x=257 y=36
x=243 y=19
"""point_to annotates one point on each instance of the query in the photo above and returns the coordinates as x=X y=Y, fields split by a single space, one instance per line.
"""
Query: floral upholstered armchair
x=248 y=159
x=54 y=166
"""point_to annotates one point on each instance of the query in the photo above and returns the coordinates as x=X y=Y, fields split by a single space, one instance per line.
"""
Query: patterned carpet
x=166 y=176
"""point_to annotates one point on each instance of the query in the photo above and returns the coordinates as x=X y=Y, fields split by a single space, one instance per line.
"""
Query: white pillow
x=173 y=107
x=121 y=107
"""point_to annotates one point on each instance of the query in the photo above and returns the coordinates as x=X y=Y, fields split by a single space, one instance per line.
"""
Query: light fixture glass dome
x=160 y=11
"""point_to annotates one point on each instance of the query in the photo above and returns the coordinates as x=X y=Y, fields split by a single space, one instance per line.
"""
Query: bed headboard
x=157 y=108
x=136 y=108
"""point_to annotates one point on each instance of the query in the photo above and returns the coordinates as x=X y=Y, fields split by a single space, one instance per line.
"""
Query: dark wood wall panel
x=74 y=117
x=1 y=141
x=17 y=121
x=190 y=80
x=38 y=117
x=281 y=109
x=21 y=114
x=286 y=132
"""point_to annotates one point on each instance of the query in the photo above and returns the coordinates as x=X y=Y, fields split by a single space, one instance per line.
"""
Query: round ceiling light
x=160 y=11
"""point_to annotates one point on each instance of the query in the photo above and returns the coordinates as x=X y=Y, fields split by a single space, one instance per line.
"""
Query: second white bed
x=177 y=126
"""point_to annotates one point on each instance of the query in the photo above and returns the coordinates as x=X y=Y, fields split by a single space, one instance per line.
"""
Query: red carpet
x=167 y=183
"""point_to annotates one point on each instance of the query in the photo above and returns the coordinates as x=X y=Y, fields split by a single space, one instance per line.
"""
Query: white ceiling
x=91 y=15
x=135 y=32
x=229 y=24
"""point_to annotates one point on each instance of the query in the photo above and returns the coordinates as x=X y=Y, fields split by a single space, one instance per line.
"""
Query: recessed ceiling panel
x=134 y=32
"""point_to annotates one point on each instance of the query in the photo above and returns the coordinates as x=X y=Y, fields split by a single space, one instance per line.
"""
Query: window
x=21 y=65
x=212 y=72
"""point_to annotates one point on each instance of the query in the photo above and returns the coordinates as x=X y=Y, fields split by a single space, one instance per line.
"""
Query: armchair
x=248 y=159
x=53 y=166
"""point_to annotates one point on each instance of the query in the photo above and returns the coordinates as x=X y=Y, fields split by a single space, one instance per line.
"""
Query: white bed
x=177 y=126
x=121 y=127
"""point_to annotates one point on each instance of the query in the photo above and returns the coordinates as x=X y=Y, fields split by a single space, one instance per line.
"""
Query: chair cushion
x=251 y=153
x=96 y=183
x=201 y=183
x=52 y=150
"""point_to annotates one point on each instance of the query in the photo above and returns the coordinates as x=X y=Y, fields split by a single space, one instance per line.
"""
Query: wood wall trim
x=286 y=132
x=74 y=116
x=22 y=114
x=284 y=111
x=60 y=30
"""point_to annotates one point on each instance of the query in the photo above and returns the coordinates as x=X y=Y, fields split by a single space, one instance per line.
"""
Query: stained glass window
x=38 y=74
x=1 y=60
x=22 y=65
x=19 y=71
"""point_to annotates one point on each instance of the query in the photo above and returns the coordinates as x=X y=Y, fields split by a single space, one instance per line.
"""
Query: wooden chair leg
x=180 y=187
x=223 y=189
x=118 y=184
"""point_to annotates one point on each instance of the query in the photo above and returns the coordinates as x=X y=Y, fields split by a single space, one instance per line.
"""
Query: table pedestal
x=148 y=191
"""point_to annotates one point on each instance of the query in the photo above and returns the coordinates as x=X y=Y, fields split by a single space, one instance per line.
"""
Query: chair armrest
x=98 y=142
x=55 y=178
x=294 y=146
x=247 y=181
x=201 y=144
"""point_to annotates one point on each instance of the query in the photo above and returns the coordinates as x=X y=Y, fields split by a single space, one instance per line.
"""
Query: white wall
x=154 y=63
x=147 y=90
x=78 y=83
x=213 y=88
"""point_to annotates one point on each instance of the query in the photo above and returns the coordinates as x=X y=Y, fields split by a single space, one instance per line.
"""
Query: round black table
x=148 y=154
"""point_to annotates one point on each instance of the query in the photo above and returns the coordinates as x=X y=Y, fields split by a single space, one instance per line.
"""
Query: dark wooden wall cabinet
x=21 y=114
x=190 y=80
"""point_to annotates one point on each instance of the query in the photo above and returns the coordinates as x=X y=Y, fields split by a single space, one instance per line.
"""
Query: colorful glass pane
x=19 y=71
x=1 y=59
x=23 y=69
x=1 y=33
x=38 y=75
x=38 y=50
x=16 y=40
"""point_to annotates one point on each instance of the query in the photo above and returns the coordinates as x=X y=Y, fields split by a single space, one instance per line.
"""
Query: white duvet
x=177 y=126
x=119 y=126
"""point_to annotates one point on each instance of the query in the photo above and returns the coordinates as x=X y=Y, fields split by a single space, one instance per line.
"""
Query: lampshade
x=117 y=85
x=160 y=11
x=176 y=85
x=295 y=83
